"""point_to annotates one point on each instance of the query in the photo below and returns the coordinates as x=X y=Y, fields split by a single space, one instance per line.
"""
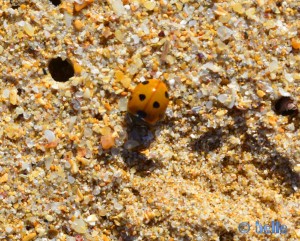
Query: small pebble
x=29 y=236
x=107 y=141
x=149 y=5
x=118 y=7
x=78 y=25
x=28 y=29
x=79 y=226
x=49 y=135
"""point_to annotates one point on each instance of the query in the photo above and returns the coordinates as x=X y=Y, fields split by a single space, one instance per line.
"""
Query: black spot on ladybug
x=142 y=97
x=167 y=95
x=285 y=106
x=141 y=114
x=156 y=105
x=145 y=82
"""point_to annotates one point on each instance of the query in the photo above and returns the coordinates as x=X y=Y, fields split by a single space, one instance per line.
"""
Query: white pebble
x=171 y=82
x=209 y=104
x=92 y=219
x=71 y=179
x=49 y=135
x=118 y=7
x=222 y=98
x=224 y=33
x=273 y=66
x=8 y=229
x=79 y=226
x=136 y=39
x=5 y=93
x=122 y=104
x=282 y=92
x=87 y=93
x=118 y=206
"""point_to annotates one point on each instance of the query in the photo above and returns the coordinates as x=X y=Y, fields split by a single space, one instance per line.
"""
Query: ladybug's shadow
x=139 y=138
x=256 y=143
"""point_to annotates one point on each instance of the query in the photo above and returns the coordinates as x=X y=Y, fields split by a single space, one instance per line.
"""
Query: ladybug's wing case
x=149 y=101
x=157 y=104
x=137 y=101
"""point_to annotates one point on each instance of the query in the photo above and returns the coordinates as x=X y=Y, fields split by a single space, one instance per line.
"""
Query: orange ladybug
x=149 y=101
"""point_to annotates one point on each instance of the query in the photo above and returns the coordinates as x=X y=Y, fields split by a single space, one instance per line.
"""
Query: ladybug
x=149 y=101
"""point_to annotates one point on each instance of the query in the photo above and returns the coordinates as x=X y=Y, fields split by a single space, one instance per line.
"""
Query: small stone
x=106 y=32
x=296 y=76
x=273 y=66
x=13 y=96
x=170 y=59
x=29 y=236
x=211 y=66
x=14 y=131
x=74 y=167
x=118 y=7
x=260 y=2
x=87 y=93
x=224 y=33
x=270 y=24
x=107 y=141
x=238 y=8
x=179 y=6
x=49 y=218
x=118 y=206
x=220 y=11
x=9 y=229
x=29 y=30
x=4 y=178
x=122 y=104
x=126 y=81
x=149 y=5
x=119 y=35
x=49 y=135
x=282 y=92
x=71 y=179
x=79 y=226
x=225 y=18
x=5 y=93
x=297 y=169
x=223 y=98
x=91 y=219
x=105 y=130
x=78 y=25
x=77 y=68
x=260 y=93
x=296 y=43
x=119 y=75
x=67 y=6
x=78 y=7
x=135 y=66
x=52 y=233
x=131 y=144
x=250 y=12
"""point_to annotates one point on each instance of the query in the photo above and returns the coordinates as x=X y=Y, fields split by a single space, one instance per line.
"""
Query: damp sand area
x=222 y=165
